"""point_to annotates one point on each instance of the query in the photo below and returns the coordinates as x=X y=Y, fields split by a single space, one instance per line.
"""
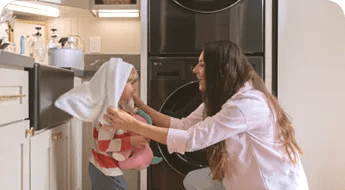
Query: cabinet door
x=14 y=156
x=50 y=159
x=76 y=148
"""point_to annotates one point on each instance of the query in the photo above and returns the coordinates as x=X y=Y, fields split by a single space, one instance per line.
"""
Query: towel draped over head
x=90 y=100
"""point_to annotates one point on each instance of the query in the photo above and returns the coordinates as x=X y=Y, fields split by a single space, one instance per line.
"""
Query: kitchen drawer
x=14 y=100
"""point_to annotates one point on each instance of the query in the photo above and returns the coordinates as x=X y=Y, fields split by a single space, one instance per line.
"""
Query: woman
x=251 y=139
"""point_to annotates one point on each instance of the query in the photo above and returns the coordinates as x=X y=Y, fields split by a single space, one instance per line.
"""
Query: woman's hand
x=119 y=119
x=138 y=141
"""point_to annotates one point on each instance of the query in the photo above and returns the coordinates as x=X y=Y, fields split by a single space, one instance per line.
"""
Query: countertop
x=92 y=62
x=15 y=60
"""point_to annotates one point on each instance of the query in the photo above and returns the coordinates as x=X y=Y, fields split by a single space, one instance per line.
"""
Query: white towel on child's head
x=90 y=100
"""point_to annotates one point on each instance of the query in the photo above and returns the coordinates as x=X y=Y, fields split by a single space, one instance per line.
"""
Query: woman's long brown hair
x=226 y=71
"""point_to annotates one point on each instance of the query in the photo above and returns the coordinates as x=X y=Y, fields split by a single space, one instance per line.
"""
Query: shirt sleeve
x=190 y=120
x=229 y=121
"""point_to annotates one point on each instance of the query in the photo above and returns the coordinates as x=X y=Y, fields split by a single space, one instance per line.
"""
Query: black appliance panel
x=46 y=84
x=257 y=63
x=209 y=6
x=251 y=26
x=174 y=30
x=166 y=74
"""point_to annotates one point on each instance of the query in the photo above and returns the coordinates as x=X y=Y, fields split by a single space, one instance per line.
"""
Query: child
x=112 y=85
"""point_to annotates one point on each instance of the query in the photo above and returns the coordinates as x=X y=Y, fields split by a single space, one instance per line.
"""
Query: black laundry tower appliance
x=177 y=30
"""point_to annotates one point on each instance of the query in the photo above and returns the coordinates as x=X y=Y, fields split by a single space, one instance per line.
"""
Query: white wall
x=311 y=85
x=118 y=35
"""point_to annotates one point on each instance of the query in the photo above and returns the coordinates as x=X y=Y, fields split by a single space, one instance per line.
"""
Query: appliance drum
x=180 y=104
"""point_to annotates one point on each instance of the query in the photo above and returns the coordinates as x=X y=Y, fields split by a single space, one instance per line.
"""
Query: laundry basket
x=118 y=1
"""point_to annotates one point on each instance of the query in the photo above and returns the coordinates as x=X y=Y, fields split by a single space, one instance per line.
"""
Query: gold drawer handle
x=57 y=136
x=11 y=97
x=29 y=132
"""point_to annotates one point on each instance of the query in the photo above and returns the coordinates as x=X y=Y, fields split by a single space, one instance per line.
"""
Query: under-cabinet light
x=28 y=7
x=118 y=13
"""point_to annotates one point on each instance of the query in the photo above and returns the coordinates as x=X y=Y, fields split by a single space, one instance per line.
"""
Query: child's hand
x=138 y=141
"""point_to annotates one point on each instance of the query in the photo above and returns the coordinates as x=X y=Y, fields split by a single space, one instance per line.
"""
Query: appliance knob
x=156 y=63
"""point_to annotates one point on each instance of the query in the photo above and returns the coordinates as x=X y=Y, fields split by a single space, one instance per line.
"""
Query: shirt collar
x=247 y=86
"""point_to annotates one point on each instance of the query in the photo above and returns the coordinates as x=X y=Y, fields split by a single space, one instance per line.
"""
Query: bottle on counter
x=39 y=47
x=53 y=42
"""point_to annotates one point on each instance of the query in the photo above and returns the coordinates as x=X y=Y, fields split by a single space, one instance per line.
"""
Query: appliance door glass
x=174 y=30
x=180 y=104
x=206 y=6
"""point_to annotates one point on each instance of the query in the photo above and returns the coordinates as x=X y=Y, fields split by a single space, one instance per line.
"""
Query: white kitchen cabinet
x=50 y=159
x=14 y=156
x=14 y=144
x=28 y=161
x=95 y=5
x=84 y=4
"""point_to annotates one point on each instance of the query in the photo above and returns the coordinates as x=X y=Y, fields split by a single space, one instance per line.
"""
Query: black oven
x=46 y=84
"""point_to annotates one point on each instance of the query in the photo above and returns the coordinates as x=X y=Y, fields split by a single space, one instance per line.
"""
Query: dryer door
x=209 y=6
x=180 y=104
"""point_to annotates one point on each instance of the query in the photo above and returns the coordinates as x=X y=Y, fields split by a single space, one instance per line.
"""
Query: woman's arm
x=158 y=118
x=228 y=122
x=166 y=121
x=119 y=118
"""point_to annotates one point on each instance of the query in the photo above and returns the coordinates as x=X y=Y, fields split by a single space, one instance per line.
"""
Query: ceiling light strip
x=117 y=14
x=33 y=9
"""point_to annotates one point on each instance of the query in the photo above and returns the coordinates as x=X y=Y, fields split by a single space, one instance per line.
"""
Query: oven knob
x=156 y=63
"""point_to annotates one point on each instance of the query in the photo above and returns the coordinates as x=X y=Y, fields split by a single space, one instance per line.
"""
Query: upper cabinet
x=99 y=8
x=115 y=8
x=95 y=4
x=84 y=4
x=114 y=4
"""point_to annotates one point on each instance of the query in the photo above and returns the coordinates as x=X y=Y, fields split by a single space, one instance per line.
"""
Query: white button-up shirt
x=247 y=125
